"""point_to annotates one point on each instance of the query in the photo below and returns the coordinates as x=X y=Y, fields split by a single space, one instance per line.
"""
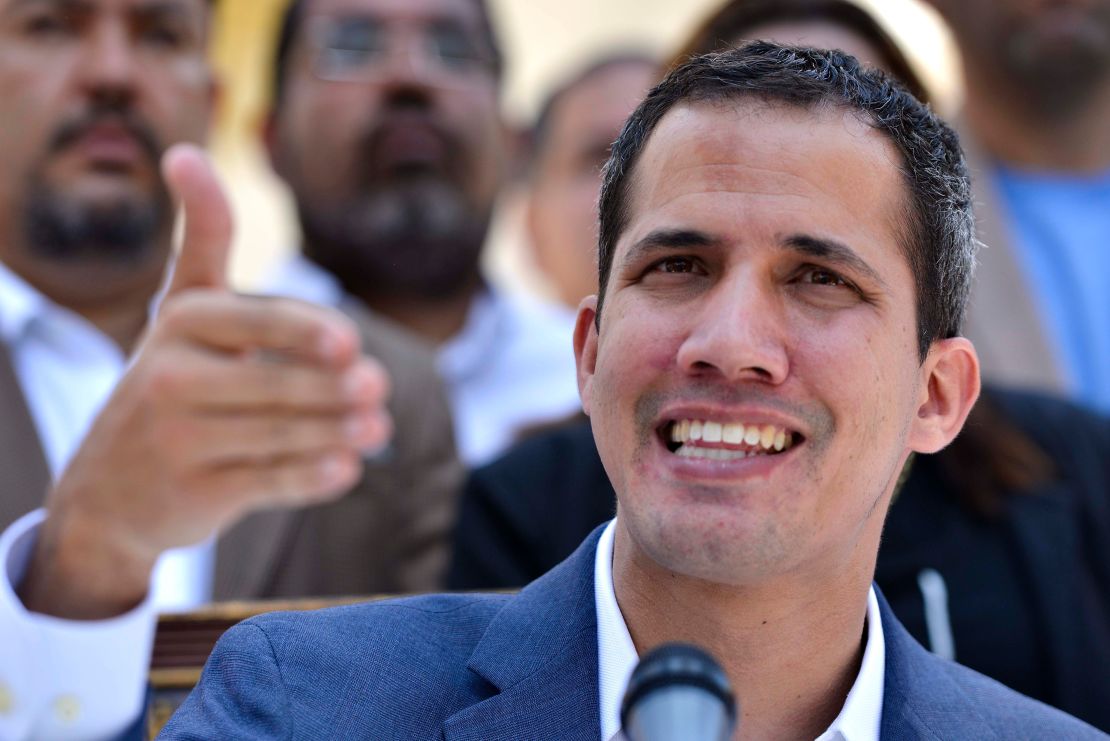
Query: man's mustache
x=71 y=131
x=371 y=145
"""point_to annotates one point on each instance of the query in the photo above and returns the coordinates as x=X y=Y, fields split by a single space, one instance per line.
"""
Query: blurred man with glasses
x=385 y=125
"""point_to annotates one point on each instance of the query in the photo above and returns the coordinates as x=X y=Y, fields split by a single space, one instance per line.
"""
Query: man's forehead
x=769 y=149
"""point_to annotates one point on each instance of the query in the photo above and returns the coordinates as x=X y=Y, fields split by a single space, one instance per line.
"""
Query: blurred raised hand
x=232 y=403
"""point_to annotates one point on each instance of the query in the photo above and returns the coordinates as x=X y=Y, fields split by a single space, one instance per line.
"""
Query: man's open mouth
x=697 y=438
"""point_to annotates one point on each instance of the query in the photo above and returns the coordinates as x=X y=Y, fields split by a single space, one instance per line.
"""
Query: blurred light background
x=544 y=41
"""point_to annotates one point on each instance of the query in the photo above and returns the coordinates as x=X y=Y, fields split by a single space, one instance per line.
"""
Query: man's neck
x=1013 y=133
x=792 y=651
x=123 y=320
x=115 y=302
x=436 y=320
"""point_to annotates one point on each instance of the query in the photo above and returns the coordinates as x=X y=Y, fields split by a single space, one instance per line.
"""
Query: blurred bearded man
x=386 y=127
x=91 y=93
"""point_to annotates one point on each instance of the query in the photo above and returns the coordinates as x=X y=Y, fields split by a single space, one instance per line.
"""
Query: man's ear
x=585 y=348
x=950 y=375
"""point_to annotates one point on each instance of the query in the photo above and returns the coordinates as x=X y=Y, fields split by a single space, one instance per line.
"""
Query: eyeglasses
x=363 y=49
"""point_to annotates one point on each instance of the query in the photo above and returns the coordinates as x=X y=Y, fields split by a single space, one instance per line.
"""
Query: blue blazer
x=513 y=667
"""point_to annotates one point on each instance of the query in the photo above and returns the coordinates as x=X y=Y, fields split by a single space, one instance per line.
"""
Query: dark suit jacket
x=488 y=667
x=1028 y=592
x=391 y=533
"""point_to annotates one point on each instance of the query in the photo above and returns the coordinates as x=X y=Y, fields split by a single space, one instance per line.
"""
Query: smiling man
x=785 y=253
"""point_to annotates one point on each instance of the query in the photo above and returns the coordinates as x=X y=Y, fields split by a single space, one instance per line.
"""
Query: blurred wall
x=544 y=41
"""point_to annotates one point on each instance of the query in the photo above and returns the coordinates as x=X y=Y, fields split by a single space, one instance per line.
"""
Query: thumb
x=202 y=262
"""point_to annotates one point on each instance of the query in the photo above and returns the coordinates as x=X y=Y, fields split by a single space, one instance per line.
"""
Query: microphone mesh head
x=677 y=665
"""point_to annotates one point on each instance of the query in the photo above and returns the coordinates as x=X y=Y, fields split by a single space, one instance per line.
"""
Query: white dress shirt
x=63 y=679
x=859 y=718
x=509 y=368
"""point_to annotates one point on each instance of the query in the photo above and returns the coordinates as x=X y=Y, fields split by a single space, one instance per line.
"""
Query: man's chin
x=96 y=226
x=739 y=549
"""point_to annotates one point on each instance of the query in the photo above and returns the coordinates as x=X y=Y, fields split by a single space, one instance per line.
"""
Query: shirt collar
x=23 y=309
x=20 y=305
x=466 y=354
x=462 y=356
x=300 y=278
x=859 y=719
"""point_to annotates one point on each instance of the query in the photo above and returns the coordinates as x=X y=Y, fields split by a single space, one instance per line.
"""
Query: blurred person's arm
x=66 y=679
x=232 y=404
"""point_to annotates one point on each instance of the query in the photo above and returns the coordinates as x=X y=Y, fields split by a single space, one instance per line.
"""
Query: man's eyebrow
x=832 y=251
x=663 y=240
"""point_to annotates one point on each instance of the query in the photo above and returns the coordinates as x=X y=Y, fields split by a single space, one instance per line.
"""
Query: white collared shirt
x=62 y=678
x=509 y=368
x=859 y=719
x=65 y=366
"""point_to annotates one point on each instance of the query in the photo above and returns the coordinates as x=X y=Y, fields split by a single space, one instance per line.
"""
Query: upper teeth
x=766 y=436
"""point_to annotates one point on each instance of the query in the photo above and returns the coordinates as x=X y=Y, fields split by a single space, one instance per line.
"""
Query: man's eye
x=357 y=37
x=47 y=26
x=162 y=36
x=675 y=265
x=823 y=277
x=454 y=47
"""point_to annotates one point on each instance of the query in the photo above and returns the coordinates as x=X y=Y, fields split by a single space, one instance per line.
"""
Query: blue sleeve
x=240 y=693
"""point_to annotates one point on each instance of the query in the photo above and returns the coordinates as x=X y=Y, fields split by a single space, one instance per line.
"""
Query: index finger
x=236 y=323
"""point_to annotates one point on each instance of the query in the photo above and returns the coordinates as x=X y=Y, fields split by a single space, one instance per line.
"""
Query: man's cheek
x=649 y=347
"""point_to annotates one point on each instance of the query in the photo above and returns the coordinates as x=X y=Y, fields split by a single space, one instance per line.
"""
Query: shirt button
x=66 y=709
x=7 y=699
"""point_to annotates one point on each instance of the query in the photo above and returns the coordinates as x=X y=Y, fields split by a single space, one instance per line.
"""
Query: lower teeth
x=717 y=454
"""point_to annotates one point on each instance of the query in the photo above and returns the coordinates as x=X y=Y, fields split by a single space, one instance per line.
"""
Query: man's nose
x=739 y=333
x=109 y=64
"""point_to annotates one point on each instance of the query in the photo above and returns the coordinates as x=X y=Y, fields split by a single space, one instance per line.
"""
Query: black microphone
x=678 y=691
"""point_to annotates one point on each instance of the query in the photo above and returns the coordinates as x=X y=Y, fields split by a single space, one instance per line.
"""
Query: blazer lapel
x=1002 y=321
x=540 y=655
x=919 y=700
x=24 y=473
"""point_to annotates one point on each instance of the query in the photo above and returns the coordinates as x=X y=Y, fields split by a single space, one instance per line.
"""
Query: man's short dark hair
x=939 y=240
x=293 y=18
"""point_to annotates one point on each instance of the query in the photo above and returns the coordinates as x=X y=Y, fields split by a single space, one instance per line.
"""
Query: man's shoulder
x=394 y=668
x=436 y=625
x=385 y=338
x=404 y=668
x=1014 y=715
x=926 y=696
